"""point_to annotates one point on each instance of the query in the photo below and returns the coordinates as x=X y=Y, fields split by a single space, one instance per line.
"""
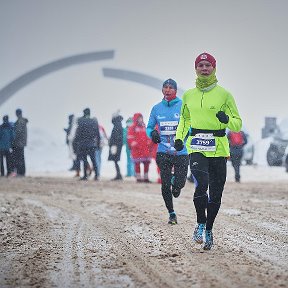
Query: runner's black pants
x=208 y=172
x=166 y=163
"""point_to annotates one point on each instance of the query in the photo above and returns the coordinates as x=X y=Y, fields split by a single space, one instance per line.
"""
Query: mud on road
x=66 y=233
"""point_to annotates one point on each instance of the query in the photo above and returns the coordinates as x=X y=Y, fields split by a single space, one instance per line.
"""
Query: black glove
x=155 y=137
x=222 y=117
x=178 y=145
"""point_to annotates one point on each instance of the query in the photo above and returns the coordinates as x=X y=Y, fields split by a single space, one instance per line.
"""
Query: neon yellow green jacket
x=198 y=111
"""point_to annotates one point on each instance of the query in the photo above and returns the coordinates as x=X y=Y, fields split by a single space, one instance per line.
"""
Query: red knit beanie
x=207 y=57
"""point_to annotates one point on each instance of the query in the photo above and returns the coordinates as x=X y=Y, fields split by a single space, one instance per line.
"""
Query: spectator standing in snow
x=237 y=141
x=7 y=137
x=116 y=143
x=19 y=143
x=139 y=144
x=103 y=142
x=87 y=140
x=73 y=147
x=130 y=165
x=68 y=139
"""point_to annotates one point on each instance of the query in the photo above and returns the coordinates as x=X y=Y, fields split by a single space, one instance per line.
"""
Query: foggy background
x=159 y=38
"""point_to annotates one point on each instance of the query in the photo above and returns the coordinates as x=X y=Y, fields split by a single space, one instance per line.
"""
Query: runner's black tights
x=166 y=162
x=208 y=172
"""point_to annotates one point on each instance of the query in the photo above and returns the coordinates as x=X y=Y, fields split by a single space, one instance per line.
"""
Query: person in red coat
x=140 y=145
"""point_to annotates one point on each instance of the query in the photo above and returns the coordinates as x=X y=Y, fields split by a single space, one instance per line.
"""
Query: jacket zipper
x=202 y=99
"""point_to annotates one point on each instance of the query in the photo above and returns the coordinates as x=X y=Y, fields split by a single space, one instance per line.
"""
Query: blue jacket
x=7 y=135
x=165 y=118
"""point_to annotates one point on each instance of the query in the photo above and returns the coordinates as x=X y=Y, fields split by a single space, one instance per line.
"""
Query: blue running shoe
x=208 y=240
x=198 y=233
x=172 y=218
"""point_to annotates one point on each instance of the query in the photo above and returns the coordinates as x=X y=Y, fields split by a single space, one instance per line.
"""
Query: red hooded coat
x=138 y=141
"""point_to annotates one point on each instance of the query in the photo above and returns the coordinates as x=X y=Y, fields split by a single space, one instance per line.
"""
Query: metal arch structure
x=136 y=77
x=10 y=89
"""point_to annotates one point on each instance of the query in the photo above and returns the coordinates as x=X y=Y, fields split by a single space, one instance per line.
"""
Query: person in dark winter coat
x=19 y=143
x=86 y=141
x=6 y=139
x=116 y=143
x=68 y=129
x=68 y=132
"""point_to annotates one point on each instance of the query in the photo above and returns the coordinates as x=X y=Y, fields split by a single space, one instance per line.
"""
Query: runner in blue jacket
x=161 y=128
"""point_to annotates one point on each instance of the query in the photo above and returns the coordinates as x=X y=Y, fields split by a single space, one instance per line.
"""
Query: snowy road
x=60 y=232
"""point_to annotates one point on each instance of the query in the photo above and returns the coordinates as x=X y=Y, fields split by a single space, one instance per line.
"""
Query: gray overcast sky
x=160 y=38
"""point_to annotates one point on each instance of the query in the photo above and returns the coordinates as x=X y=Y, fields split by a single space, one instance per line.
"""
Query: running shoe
x=198 y=233
x=208 y=240
x=172 y=218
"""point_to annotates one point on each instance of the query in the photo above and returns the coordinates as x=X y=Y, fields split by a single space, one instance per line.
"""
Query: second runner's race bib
x=168 y=127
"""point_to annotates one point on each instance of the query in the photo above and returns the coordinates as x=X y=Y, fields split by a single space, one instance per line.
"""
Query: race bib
x=168 y=127
x=203 y=142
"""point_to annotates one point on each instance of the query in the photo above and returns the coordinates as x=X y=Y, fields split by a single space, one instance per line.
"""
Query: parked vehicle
x=276 y=151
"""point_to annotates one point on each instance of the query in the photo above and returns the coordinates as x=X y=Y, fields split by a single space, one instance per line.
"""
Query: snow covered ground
x=47 y=155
